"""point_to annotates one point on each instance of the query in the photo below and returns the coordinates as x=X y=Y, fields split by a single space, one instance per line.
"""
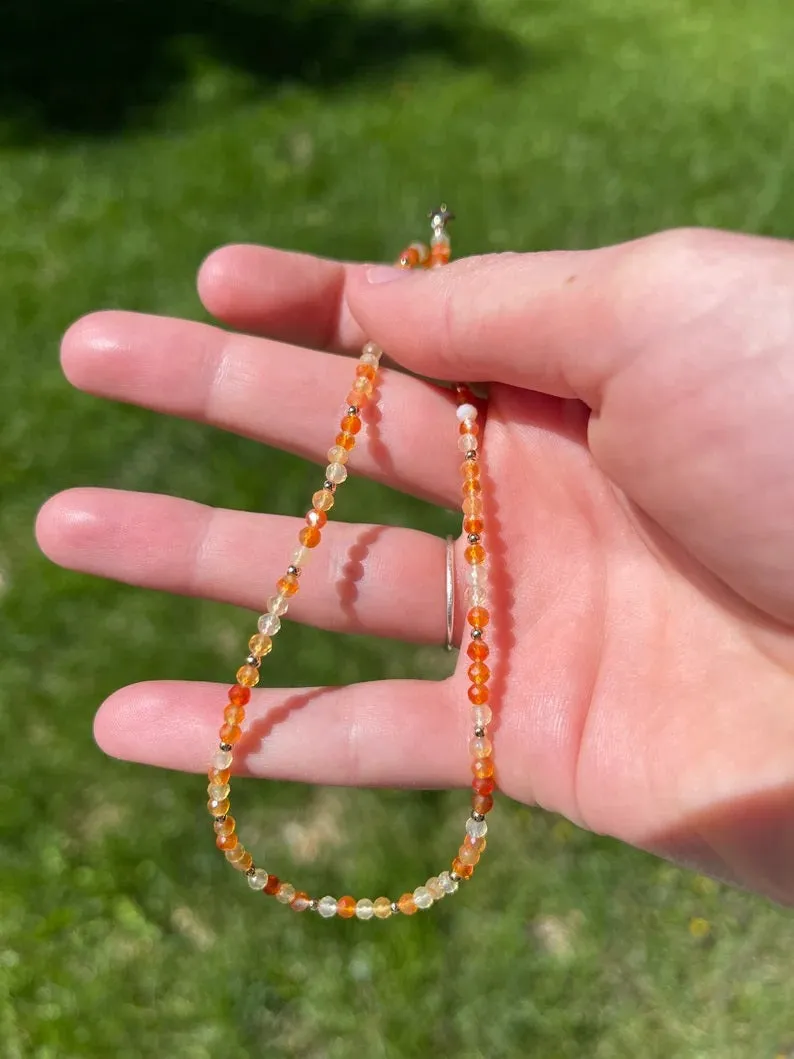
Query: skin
x=640 y=490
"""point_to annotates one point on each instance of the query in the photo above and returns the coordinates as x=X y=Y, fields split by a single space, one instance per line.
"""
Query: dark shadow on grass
x=92 y=67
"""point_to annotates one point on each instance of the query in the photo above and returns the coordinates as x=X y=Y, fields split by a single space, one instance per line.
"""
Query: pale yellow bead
x=323 y=499
x=364 y=909
x=480 y=747
x=382 y=907
x=336 y=454
x=218 y=793
x=260 y=645
x=285 y=893
x=363 y=386
x=302 y=555
x=221 y=759
x=336 y=473
x=371 y=354
x=435 y=889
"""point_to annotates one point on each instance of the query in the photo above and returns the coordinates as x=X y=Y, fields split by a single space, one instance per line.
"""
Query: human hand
x=641 y=568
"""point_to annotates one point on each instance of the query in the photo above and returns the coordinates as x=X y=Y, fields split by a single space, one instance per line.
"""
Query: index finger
x=295 y=298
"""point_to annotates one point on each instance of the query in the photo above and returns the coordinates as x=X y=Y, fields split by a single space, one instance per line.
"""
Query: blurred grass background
x=135 y=137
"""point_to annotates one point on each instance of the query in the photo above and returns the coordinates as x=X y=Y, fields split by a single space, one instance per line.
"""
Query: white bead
x=478 y=597
x=447 y=883
x=477 y=575
x=269 y=624
x=476 y=828
x=364 y=909
x=221 y=759
x=436 y=889
x=422 y=897
x=371 y=354
x=466 y=411
x=301 y=556
x=258 y=880
x=481 y=716
x=467 y=443
x=278 y=605
x=336 y=473
x=326 y=906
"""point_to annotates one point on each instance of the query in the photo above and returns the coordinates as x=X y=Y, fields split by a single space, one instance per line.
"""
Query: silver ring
x=450 y=586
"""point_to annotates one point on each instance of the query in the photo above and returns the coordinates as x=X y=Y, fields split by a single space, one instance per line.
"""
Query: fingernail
x=384 y=274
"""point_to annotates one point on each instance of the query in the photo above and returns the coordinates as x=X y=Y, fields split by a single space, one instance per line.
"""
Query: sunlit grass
x=121 y=932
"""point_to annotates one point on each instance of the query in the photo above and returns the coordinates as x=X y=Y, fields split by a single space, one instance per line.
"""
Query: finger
x=566 y=322
x=400 y=733
x=387 y=581
x=296 y=298
x=285 y=396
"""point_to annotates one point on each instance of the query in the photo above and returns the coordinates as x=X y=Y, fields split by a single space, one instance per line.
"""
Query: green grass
x=545 y=124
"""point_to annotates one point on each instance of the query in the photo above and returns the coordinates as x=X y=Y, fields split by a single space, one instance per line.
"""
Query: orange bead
x=468 y=854
x=272 y=884
x=476 y=843
x=479 y=673
x=225 y=826
x=230 y=733
x=239 y=695
x=472 y=508
x=346 y=907
x=470 y=428
x=351 y=424
x=226 y=842
x=478 y=617
x=219 y=777
x=482 y=767
x=355 y=399
x=365 y=371
x=309 y=537
x=464 y=870
x=300 y=902
x=478 y=651
x=474 y=554
x=247 y=675
x=471 y=487
x=478 y=694
x=347 y=441
x=473 y=525
x=218 y=808
x=470 y=469
x=315 y=518
x=288 y=585
x=483 y=784
x=244 y=863
x=482 y=803
x=406 y=904
x=234 y=714
x=409 y=258
x=439 y=254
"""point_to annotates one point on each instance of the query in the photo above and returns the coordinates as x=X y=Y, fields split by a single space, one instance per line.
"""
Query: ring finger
x=383 y=580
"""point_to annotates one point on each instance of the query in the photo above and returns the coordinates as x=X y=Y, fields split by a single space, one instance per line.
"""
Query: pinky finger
x=399 y=733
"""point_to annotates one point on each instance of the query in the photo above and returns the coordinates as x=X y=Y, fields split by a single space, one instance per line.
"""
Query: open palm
x=640 y=499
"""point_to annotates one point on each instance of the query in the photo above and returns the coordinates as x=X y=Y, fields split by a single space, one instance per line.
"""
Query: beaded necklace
x=417 y=255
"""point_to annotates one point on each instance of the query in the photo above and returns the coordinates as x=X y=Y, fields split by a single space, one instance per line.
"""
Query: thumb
x=543 y=321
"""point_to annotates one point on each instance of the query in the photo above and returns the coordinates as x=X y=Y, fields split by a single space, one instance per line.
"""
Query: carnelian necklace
x=417 y=255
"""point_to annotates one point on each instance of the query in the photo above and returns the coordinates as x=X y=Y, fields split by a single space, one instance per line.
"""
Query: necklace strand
x=417 y=255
